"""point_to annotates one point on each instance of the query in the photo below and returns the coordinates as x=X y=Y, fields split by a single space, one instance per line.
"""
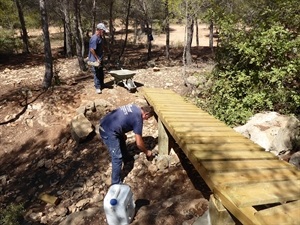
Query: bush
x=257 y=70
x=8 y=43
x=11 y=215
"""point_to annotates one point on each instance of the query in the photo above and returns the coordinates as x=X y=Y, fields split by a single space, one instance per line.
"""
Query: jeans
x=98 y=76
x=117 y=149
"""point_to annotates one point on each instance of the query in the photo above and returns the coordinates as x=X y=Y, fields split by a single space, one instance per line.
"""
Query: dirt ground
x=22 y=75
x=34 y=124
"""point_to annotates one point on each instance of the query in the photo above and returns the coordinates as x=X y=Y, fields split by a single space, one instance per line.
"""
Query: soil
x=34 y=124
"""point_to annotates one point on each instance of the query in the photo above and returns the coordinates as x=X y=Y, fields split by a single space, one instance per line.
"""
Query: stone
x=90 y=106
x=78 y=218
x=152 y=169
x=80 y=110
x=274 y=132
x=82 y=203
x=81 y=128
x=162 y=162
x=295 y=159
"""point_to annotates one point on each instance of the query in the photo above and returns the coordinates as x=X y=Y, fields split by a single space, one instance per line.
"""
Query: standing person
x=96 y=46
x=113 y=129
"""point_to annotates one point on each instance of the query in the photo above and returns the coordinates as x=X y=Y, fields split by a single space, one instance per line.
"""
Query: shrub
x=257 y=70
x=11 y=215
x=8 y=43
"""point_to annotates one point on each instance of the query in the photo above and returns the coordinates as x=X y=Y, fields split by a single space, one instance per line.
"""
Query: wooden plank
x=245 y=215
x=253 y=176
x=285 y=214
x=172 y=103
x=223 y=147
x=200 y=134
x=215 y=128
x=204 y=131
x=209 y=140
x=164 y=96
x=179 y=108
x=263 y=193
x=184 y=113
x=197 y=124
x=231 y=155
x=191 y=118
x=234 y=165
x=188 y=120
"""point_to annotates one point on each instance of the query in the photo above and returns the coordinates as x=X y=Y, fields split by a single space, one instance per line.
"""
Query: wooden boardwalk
x=243 y=176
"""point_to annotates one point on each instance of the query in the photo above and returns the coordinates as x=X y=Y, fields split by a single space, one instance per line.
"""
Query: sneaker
x=98 y=91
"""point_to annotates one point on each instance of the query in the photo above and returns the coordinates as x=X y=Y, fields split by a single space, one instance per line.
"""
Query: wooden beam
x=163 y=139
x=218 y=214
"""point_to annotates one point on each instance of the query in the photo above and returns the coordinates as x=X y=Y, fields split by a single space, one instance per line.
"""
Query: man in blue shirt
x=113 y=129
x=96 y=46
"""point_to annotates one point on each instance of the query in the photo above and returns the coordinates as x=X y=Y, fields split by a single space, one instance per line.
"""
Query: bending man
x=113 y=129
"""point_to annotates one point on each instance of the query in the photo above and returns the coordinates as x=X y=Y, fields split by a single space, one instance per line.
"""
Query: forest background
x=256 y=58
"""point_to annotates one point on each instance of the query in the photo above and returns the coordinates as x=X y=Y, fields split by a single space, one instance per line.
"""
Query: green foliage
x=257 y=69
x=36 y=45
x=9 y=44
x=8 y=14
x=11 y=215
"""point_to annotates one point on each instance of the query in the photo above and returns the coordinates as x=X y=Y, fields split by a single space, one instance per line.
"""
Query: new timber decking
x=241 y=174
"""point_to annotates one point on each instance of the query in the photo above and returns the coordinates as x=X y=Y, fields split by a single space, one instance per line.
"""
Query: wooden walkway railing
x=242 y=176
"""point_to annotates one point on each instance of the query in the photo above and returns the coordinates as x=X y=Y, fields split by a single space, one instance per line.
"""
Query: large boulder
x=274 y=132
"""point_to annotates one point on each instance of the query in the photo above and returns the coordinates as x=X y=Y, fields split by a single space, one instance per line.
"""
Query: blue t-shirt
x=122 y=120
x=96 y=43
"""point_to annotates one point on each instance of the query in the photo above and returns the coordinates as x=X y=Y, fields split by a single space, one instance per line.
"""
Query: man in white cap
x=96 y=46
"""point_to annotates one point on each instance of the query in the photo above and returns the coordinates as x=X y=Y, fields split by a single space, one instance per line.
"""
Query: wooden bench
x=241 y=174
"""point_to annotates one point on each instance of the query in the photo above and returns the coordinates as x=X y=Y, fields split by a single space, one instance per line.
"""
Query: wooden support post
x=163 y=139
x=218 y=214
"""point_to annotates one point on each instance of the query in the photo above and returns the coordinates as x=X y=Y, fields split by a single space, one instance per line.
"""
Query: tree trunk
x=126 y=29
x=81 y=34
x=47 y=47
x=211 y=36
x=197 y=32
x=149 y=40
x=24 y=33
x=111 y=25
x=189 y=30
x=94 y=16
x=67 y=29
x=78 y=36
x=167 y=29
x=135 y=37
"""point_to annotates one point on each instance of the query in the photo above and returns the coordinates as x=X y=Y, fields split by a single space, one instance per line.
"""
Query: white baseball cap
x=101 y=26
